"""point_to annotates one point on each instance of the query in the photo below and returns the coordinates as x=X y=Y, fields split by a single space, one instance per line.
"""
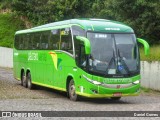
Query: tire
x=22 y=77
x=23 y=80
x=72 y=91
x=116 y=98
x=29 y=81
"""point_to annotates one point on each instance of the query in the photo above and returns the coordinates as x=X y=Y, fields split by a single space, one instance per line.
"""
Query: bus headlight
x=136 y=82
x=92 y=81
x=96 y=83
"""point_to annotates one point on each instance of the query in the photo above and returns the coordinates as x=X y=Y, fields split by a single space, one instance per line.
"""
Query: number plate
x=117 y=94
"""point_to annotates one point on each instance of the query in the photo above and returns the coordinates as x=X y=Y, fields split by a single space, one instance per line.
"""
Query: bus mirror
x=86 y=44
x=145 y=44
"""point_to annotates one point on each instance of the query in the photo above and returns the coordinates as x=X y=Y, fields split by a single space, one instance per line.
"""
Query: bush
x=9 y=24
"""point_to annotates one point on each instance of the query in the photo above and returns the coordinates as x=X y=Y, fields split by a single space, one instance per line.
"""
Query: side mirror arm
x=86 y=44
x=145 y=44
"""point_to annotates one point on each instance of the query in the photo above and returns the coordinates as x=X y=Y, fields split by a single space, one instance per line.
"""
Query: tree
x=142 y=15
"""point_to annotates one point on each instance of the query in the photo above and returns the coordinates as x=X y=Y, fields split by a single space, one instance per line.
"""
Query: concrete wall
x=6 y=57
x=150 y=71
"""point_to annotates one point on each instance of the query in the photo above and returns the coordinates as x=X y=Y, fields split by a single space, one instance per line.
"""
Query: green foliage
x=142 y=15
x=5 y=4
x=38 y=11
x=8 y=26
x=45 y=11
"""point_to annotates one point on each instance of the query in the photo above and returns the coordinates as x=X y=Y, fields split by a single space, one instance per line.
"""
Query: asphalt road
x=14 y=97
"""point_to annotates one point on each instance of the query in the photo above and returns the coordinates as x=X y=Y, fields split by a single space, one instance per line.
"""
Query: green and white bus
x=94 y=58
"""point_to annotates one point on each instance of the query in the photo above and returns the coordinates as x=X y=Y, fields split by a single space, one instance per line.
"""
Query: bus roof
x=88 y=24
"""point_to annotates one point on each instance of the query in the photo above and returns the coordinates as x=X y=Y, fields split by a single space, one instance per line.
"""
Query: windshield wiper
x=109 y=63
x=123 y=63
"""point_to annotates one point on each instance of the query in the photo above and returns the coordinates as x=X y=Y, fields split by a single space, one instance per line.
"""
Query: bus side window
x=80 y=54
x=21 y=42
x=78 y=31
x=30 y=41
x=54 y=39
x=79 y=48
x=44 y=40
x=16 y=41
x=27 y=42
x=66 y=40
x=36 y=41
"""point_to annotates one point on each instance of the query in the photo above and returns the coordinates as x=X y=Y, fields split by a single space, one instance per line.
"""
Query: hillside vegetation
x=142 y=15
x=9 y=24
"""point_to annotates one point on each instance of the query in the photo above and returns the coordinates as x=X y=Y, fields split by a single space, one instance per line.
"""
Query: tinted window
x=16 y=42
x=66 y=40
x=54 y=39
x=78 y=31
x=36 y=41
x=30 y=41
x=44 y=40
x=80 y=54
x=21 y=42
x=26 y=38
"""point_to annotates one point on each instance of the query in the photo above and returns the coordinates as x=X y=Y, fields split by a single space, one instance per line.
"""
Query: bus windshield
x=113 y=54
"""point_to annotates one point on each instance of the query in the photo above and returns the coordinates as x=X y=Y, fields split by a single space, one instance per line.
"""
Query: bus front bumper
x=103 y=92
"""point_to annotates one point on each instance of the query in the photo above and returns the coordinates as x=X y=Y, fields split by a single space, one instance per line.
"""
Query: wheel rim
x=24 y=80
x=72 y=90
x=29 y=84
x=29 y=81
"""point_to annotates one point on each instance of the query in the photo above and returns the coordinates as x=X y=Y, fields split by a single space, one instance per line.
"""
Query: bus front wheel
x=29 y=81
x=72 y=91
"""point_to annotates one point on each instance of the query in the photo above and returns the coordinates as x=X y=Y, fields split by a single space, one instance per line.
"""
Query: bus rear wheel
x=23 y=80
x=22 y=77
x=72 y=91
x=29 y=81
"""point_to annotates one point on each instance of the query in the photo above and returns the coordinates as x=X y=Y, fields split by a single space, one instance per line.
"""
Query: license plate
x=117 y=94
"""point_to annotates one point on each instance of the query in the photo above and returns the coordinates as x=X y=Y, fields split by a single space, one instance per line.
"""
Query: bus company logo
x=116 y=29
x=54 y=58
